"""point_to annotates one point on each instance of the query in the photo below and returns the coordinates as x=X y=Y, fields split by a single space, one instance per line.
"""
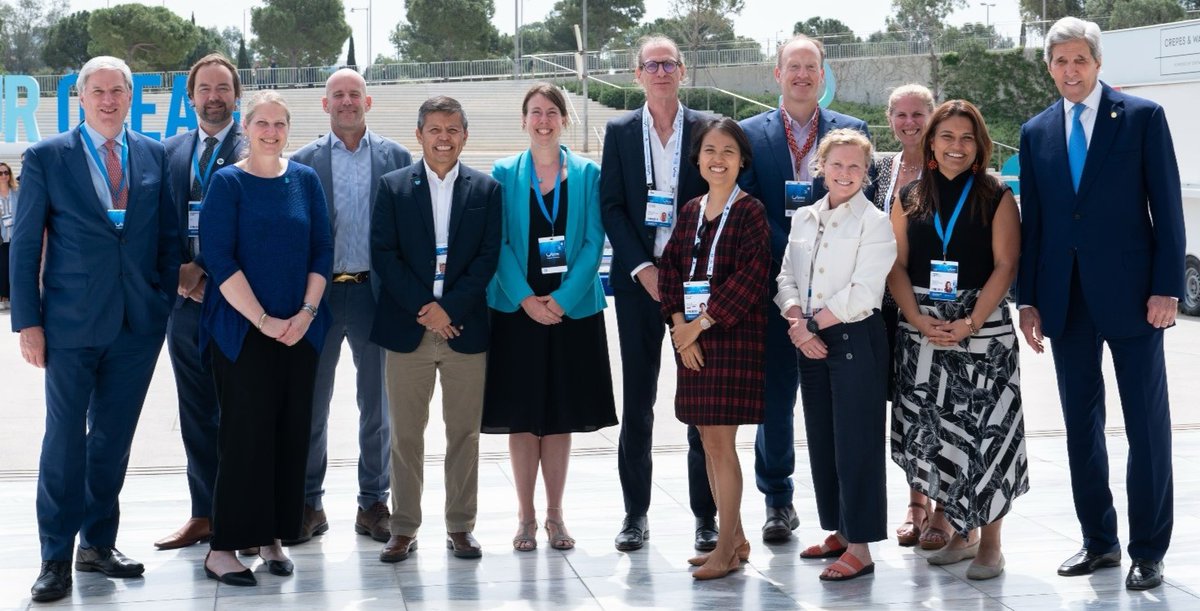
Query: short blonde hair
x=269 y=96
x=839 y=137
x=914 y=90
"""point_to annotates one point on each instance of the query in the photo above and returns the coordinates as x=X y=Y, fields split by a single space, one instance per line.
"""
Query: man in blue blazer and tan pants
x=93 y=313
x=1102 y=256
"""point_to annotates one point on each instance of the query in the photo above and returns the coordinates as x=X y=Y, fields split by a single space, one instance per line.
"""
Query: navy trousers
x=353 y=309
x=199 y=413
x=1142 y=384
x=774 y=448
x=94 y=397
x=640 y=328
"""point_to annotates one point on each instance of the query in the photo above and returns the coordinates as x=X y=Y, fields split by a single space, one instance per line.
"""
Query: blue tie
x=1077 y=146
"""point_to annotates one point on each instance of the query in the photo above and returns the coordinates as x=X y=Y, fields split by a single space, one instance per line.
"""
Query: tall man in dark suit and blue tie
x=350 y=160
x=784 y=141
x=93 y=313
x=193 y=157
x=645 y=178
x=1102 y=256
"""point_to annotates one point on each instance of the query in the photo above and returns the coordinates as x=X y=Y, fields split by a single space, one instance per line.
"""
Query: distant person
x=8 y=210
x=1102 y=263
x=95 y=323
x=548 y=373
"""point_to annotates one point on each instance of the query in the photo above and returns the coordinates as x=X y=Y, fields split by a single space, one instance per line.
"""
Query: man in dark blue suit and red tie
x=1102 y=256
x=93 y=313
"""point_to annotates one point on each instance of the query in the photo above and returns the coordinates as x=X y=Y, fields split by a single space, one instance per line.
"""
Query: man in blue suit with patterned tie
x=93 y=313
x=1102 y=255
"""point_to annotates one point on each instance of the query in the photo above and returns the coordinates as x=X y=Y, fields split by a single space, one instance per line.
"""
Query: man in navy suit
x=1102 y=258
x=784 y=142
x=93 y=313
x=193 y=157
x=646 y=152
x=432 y=216
x=350 y=160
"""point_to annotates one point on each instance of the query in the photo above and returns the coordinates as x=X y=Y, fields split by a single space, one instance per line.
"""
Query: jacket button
x=821 y=271
x=1078 y=216
x=820 y=296
x=845 y=336
x=849 y=357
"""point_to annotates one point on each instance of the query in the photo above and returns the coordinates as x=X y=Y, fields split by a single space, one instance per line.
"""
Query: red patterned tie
x=112 y=163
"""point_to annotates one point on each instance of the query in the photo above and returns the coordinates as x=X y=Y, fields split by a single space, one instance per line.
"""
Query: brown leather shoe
x=195 y=530
x=464 y=545
x=398 y=548
x=314 y=524
x=374 y=521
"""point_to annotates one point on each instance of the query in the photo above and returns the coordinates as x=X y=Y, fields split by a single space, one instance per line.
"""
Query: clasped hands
x=287 y=331
x=808 y=343
x=191 y=282
x=942 y=332
x=684 y=336
x=543 y=309
x=435 y=319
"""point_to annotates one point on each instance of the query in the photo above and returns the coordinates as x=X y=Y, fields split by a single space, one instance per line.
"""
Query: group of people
x=780 y=253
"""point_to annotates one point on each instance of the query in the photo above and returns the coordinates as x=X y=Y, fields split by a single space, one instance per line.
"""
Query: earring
x=975 y=168
x=932 y=165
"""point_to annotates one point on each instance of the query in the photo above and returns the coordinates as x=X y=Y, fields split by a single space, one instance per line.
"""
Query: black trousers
x=266 y=416
x=845 y=417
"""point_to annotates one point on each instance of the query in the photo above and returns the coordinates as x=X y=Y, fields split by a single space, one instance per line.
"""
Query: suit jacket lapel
x=1109 y=115
x=230 y=147
x=777 y=142
x=458 y=201
x=424 y=201
x=1054 y=152
x=75 y=155
x=380 y=160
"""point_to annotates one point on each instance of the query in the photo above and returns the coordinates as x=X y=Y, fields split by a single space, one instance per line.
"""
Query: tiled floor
x=341 y=571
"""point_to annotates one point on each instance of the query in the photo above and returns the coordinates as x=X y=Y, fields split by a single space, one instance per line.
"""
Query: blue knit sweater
x=273 y=230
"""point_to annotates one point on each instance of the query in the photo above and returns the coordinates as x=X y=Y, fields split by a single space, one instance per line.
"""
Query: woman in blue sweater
x=265 y=236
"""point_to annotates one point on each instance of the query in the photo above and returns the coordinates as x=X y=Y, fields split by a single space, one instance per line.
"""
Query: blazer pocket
x=476 y=208
x=65 y=281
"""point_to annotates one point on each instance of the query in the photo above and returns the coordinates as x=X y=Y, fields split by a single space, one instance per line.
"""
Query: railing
x=576 y=122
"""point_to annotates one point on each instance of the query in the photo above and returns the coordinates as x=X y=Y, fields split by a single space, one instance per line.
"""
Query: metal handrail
x=575 y=119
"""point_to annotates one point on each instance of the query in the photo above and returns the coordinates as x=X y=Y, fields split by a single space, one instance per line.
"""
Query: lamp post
x=988 y=20
x=370 y=56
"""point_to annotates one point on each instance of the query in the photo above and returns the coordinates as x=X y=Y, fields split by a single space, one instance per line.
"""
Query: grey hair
x=913 y=90
x=655 y=39
x=267 y=96
x=440 y=103
x=1073 y=28
x=104 y=62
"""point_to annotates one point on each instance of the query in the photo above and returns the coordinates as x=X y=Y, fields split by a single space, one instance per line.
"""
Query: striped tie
x=112 y=163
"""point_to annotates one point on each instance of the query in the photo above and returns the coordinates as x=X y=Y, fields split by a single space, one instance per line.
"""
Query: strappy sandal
x=909 y=533
x=829 y=548
x=742 y=550
x=526 y=539
x=559 y=539
x=848 y=567
x=934 y=538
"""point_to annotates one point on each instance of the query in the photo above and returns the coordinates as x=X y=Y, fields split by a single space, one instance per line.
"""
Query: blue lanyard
x=87 y=140
x=203 y=178
x=937 y=219
x=535 y=182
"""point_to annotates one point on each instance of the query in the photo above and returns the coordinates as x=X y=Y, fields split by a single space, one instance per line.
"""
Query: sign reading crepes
x=1180 y=50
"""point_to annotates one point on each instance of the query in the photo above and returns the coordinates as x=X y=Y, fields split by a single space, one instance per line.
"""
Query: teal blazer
x=581 y=294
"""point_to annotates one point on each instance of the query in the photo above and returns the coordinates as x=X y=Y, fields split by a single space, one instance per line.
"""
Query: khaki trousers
x=410 y=378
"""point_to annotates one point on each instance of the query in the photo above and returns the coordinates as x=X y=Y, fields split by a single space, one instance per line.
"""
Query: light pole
x=988 y=20
x=370 y=56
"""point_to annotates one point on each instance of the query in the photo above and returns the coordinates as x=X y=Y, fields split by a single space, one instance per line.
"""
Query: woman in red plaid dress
x=713 y=281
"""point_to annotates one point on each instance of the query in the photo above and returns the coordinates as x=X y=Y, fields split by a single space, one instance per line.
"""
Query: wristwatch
x=705 y=323
x=812 y=326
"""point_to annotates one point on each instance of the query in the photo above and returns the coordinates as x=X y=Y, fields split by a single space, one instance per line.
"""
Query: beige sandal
x=559 y=539
x=526 y=539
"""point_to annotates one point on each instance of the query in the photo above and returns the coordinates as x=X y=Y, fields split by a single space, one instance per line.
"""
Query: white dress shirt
x=441 y=192
x=1087 y=117
x=661 y=156
x=800 y=132
x=852 y=262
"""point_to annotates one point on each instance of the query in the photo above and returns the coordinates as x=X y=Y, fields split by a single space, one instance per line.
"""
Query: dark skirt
x=4 y=290
x=547 y=380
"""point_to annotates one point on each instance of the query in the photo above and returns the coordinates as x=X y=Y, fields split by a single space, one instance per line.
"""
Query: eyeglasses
x=5 y=173
x=667 y=66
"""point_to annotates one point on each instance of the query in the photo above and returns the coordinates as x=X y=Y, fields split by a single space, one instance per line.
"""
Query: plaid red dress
x=729 y=388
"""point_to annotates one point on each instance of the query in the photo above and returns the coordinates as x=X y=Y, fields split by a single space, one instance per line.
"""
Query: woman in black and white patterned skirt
x=957 y=427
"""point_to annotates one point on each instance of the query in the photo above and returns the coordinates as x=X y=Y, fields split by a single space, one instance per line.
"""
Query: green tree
x=148 y=38
x=1007 y=85
x=26 y=23
x=243 y=57
x=350 y=61
x=1031 y=10
x=208 y=40
x=703 y=22
x=605 y=21
x=1118 y=14
x=67 y=42
x=537 y=38
x=300 y=33
x=984 y=35
x=447 y=30
x=924 y=21
x=232 y=36
x=828 y=31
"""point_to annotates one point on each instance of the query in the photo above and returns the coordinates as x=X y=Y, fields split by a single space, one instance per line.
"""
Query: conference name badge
x=6 y=221
x=796 y=195
x=194 y=219
x=695 y=298
x=660 y=209
x=117 y=217
x=439 y=270
x=943 y=280
x=552 y=252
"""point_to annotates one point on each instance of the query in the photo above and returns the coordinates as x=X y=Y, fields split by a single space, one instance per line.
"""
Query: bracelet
x=971 y=325
x=262 y=319
x=310 y=308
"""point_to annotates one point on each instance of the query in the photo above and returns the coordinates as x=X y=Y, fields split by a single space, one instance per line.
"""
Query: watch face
x=812 y=325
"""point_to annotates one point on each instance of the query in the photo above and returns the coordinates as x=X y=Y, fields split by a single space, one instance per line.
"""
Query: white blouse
x=852 y=259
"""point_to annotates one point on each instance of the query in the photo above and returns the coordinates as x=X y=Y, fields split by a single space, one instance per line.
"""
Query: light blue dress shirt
x=99 y=178
x=351 y=205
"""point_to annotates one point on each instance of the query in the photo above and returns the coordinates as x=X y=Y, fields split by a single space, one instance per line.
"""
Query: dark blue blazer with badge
x=773 y=166
x=623 y=190
x=180 y=151
x=96 y=278
x=403 y=255
x=1123 y=229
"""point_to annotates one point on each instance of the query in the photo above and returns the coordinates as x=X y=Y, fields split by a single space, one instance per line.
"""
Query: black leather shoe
x=706 y=534
x=634 y=532
x=1085 y=562
x=107 y=560
x=1144 y=574
x=781 y=521
x=54 y=582
x=232 y=578
x=282 y=568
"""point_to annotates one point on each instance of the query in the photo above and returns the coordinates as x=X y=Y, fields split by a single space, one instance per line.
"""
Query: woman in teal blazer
x=548 y=374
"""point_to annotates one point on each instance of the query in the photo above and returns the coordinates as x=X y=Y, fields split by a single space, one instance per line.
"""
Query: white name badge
x=7 y=221
x=439 y=271
x=660 y=209
x=193 y=219
x=553 y=254
x=796 y=195
x=943 y=280
x=117 y=217
x=695 y=299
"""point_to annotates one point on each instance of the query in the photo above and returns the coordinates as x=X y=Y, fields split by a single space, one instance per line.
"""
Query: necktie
x=210 y=146
x=116 y=179
x=1077 y=146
